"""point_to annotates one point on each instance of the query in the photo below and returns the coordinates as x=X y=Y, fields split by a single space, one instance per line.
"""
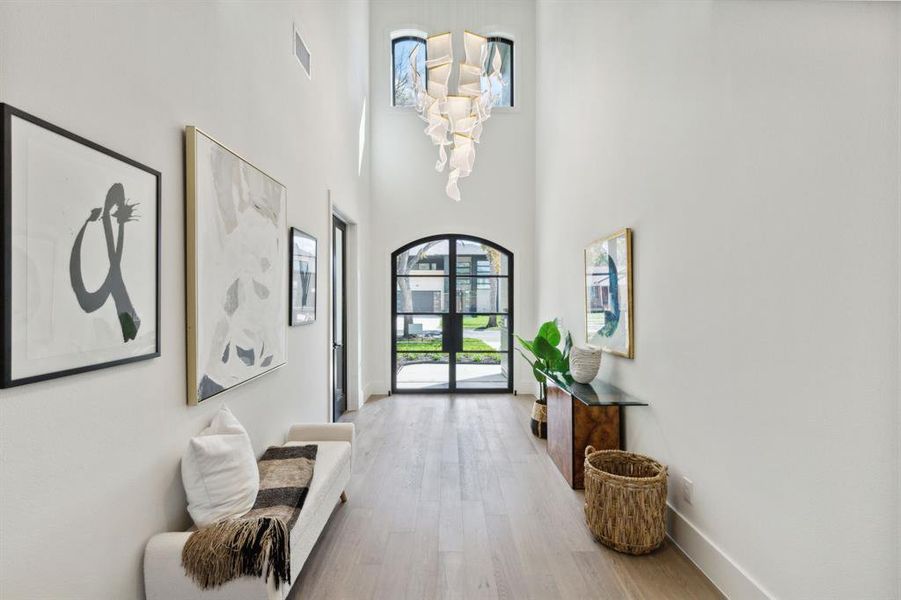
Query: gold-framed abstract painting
x=608 y=294
x=237 y=279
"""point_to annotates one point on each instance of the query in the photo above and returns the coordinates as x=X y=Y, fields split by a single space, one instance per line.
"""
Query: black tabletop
x=596 y=393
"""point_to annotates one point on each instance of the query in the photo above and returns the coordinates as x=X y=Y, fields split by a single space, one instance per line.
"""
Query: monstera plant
x=546 y=358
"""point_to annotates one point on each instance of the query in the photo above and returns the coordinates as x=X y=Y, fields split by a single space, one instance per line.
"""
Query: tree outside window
x=401 y=51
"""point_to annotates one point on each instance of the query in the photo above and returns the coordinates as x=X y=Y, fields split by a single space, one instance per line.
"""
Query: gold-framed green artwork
x=608 y=294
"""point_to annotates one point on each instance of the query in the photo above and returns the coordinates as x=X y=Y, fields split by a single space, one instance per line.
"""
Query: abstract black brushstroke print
x=113 y=285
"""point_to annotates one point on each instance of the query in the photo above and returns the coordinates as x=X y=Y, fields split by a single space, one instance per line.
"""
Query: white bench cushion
x=330 y=476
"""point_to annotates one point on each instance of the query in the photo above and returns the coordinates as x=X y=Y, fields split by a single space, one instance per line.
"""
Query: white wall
x=898 y=430
x=89 y=464
x=754 y=149
x=408 y=199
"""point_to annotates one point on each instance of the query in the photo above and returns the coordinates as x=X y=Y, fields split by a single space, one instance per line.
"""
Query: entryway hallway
x=452 y=497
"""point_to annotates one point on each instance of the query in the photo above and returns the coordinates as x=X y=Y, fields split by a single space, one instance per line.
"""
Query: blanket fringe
x=236 y=548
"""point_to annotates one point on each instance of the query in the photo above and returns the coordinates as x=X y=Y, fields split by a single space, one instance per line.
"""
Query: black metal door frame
x=449 y=319
x=339 y=373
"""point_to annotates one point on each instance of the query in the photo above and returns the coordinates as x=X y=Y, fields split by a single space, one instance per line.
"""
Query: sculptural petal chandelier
x=455 y=121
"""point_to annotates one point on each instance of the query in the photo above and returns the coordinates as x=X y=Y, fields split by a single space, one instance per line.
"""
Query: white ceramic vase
x=584 y=362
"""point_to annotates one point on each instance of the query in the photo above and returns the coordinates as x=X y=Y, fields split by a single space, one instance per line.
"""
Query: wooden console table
x=581 y=415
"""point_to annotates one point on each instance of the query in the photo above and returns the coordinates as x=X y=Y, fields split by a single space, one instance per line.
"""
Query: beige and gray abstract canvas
x=241 y=233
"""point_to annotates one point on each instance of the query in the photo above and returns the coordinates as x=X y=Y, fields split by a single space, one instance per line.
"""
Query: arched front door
x=452 y=316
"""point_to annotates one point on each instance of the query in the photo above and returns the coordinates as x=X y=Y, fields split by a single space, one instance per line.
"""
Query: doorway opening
x=339 y=317
x=452 y=316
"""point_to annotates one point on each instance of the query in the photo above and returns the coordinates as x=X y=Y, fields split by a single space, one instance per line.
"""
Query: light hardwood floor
x=452 y=497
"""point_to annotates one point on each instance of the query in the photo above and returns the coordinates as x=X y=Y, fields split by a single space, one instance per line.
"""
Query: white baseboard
x=733 y=581
x=374 y=388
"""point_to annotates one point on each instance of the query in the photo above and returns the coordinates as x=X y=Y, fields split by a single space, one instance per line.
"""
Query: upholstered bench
x=164 y=576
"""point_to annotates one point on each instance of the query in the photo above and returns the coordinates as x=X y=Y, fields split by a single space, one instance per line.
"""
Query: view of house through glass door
x=452 y=316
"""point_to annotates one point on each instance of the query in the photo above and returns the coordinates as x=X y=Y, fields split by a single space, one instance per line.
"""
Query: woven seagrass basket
x=625 y=500
x=538 y=422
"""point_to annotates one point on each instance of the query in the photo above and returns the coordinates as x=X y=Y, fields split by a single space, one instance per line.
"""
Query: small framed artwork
x=303 y=278
x=236 y=225
x=80 y=256
x=608 y=294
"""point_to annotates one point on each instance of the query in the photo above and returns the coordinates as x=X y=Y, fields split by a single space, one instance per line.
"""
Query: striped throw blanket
x=258 y=543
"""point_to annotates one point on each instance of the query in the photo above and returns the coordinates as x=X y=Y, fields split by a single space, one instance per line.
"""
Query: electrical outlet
x=688 y=490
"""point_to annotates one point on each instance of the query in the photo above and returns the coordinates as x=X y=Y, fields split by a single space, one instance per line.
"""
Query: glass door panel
x=422 y=294
x=484 y=333
x=419 y=333
x=479 y=258
x=477 y=370
x=481 y=294
x=423 y=370
x=427 y=258
x=421 y=357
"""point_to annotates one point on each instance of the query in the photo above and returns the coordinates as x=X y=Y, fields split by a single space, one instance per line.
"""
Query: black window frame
x=505 y=40
x=425 y=50
x=450 y=337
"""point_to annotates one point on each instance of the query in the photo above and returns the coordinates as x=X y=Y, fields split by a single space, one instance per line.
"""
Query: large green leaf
x=549 y=354
x=561 y=365
x=556 y=360
x=539 y=376
x=550 y=332
x=528 y=345
x=528 y=360
x=542 y=348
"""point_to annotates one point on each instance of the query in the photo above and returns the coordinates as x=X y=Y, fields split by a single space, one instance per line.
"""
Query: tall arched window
x=452 y=316
x=505 y=46
x=402 y=45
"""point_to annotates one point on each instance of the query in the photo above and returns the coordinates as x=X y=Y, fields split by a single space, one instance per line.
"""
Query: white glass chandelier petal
x=456 y=120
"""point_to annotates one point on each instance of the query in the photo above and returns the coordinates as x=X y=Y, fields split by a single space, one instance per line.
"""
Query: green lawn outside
x=430 y=350
x=477 y=322
x=469 y=345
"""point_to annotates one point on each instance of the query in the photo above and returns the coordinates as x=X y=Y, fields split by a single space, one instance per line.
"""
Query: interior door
x=339 y=317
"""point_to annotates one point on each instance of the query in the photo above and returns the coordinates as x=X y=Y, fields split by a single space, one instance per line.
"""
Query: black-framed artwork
x=81 y=254
x=303 y=278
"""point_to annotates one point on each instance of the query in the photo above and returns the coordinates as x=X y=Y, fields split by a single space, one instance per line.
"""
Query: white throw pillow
x=219 y=471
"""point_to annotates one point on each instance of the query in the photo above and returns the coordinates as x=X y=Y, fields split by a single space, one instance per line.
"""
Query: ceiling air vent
x=302 y=52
